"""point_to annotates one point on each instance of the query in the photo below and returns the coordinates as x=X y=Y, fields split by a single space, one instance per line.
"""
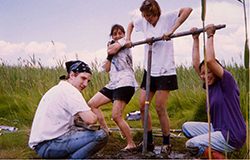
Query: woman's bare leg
x=160 y=105
x=94 y=103
x=118 y=109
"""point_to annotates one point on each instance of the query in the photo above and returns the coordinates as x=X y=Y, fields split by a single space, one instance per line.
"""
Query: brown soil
x=116 y=142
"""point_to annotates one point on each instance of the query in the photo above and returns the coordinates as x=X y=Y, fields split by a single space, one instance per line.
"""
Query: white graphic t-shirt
x=121 y=72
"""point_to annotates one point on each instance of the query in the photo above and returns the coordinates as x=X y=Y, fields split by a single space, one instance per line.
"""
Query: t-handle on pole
x=175 y=35
x=150 y=42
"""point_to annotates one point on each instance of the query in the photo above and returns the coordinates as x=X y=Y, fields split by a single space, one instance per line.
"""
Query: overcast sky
x=55 y=30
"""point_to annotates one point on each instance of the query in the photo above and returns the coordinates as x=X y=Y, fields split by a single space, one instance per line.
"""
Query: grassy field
x=22 y=87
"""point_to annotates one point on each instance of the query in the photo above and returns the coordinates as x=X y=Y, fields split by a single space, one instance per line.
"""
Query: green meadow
x=22 y=87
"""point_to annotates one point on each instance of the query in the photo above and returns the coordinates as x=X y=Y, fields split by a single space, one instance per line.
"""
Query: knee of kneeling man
x=104 y=135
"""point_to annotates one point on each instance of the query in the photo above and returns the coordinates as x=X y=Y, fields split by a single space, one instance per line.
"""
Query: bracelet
x=210 y=36
x=110 y=56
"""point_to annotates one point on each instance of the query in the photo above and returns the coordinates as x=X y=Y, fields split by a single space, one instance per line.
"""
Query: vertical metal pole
x=145 y=133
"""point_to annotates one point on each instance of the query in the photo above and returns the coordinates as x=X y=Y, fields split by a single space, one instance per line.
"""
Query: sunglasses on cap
x=147 y=3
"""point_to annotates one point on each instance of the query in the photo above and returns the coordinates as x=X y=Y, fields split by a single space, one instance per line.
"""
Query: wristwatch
x=208 y=36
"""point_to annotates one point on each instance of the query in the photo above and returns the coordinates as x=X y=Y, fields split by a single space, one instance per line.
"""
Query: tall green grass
x=23 y=86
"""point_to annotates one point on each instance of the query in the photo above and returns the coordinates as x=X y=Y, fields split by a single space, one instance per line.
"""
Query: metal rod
x=145 y=132
x=141 y=129
x=175 y=35
x=171 y=135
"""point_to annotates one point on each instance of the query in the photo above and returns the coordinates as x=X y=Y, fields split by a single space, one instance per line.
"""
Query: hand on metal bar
x=150 y=41
x=175 y=35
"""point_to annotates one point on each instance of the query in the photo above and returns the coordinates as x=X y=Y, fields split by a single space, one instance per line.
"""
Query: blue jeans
x=198 y=132
x=75 y=144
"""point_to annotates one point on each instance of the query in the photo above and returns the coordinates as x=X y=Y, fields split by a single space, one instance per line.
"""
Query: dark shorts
x=123 y=93
x=160 y=83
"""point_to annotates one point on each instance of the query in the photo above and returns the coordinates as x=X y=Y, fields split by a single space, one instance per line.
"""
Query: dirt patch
x=116 y=142
x=139 y=155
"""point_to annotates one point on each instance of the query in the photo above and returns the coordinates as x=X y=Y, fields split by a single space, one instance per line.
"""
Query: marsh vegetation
x=22 y=87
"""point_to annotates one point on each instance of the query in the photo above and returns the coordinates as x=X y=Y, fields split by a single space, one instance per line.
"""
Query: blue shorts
x=123 y=93
x=160 y=83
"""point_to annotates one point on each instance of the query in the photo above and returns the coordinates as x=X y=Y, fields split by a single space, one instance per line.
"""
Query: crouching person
x=53 y=133
x=228 y=129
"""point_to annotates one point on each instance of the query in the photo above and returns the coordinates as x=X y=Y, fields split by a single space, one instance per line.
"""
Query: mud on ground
x=117 y=142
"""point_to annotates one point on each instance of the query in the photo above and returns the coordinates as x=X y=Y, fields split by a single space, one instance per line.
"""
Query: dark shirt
x=225 y=110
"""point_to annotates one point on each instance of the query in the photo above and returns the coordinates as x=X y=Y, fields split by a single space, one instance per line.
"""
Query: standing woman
x=163 y=73
x=122 y=85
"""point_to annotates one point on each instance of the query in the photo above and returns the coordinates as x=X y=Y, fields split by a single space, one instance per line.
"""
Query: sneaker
x=150 y=147
x=166 y=148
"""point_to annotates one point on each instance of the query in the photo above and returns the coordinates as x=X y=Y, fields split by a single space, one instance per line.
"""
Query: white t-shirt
x=55 y=112
x=163 y=62
x=121 y=72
